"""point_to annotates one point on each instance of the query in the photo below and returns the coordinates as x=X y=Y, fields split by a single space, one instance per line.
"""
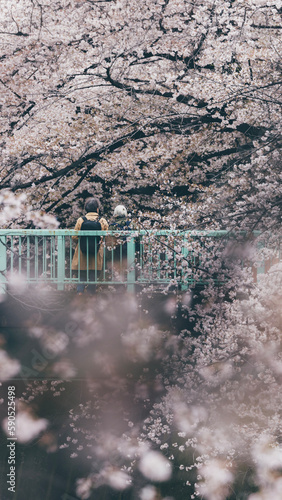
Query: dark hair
x=92 y=205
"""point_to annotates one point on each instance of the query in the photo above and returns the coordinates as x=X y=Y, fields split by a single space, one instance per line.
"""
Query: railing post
x=184 y=272
x=3 y=265
x=60 y=262
x=131 y=275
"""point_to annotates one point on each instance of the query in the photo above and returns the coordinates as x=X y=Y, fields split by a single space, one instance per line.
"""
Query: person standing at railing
x=120 y=221
x=86 y=262
x=116 y=254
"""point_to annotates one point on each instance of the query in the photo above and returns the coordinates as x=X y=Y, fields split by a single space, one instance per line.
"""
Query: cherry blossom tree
x=173 y=107
x=160 y=104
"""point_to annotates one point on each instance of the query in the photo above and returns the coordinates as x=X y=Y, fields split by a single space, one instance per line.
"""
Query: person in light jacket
x=116 y=253
x=79 y=261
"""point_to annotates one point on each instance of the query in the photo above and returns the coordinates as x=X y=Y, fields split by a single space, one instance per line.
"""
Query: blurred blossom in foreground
x=216 y=480
x=149 y=493
x=267 y=456
x=8 y=367
x=28 y=427
x=17 y=282
x=64 y=369
x=143 y=344
x=155 y=466
x=115 y=478
x=110 y=476
x=83 y=488
x=188 y=418
x=13 y=206
x=273 y=492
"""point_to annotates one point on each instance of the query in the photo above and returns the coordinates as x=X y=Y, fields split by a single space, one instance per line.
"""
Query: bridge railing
x=129 y=258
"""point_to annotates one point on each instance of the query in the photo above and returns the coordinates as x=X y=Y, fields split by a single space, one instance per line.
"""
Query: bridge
x=130 y=258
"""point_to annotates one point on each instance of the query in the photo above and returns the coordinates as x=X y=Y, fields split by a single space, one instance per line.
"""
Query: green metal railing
x=129 y=258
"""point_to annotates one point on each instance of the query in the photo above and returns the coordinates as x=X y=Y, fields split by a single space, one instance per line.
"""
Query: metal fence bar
x=70 y=257
x=61 y=262
x=28 y=258
x=36 y=257
x=3 y=264
x=52 y=258
x=131 y=277
x=20 y=254
x=104 y=265
x=87 y=258
x=95 y=254
x=12 y=255
x=42 y=259
x=78 y=253
x=42 y=255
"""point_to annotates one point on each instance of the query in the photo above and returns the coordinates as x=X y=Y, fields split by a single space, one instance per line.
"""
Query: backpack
x=121 y=224
x=93 y=241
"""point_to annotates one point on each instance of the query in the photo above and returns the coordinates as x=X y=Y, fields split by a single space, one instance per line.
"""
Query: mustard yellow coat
x=83 y=257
